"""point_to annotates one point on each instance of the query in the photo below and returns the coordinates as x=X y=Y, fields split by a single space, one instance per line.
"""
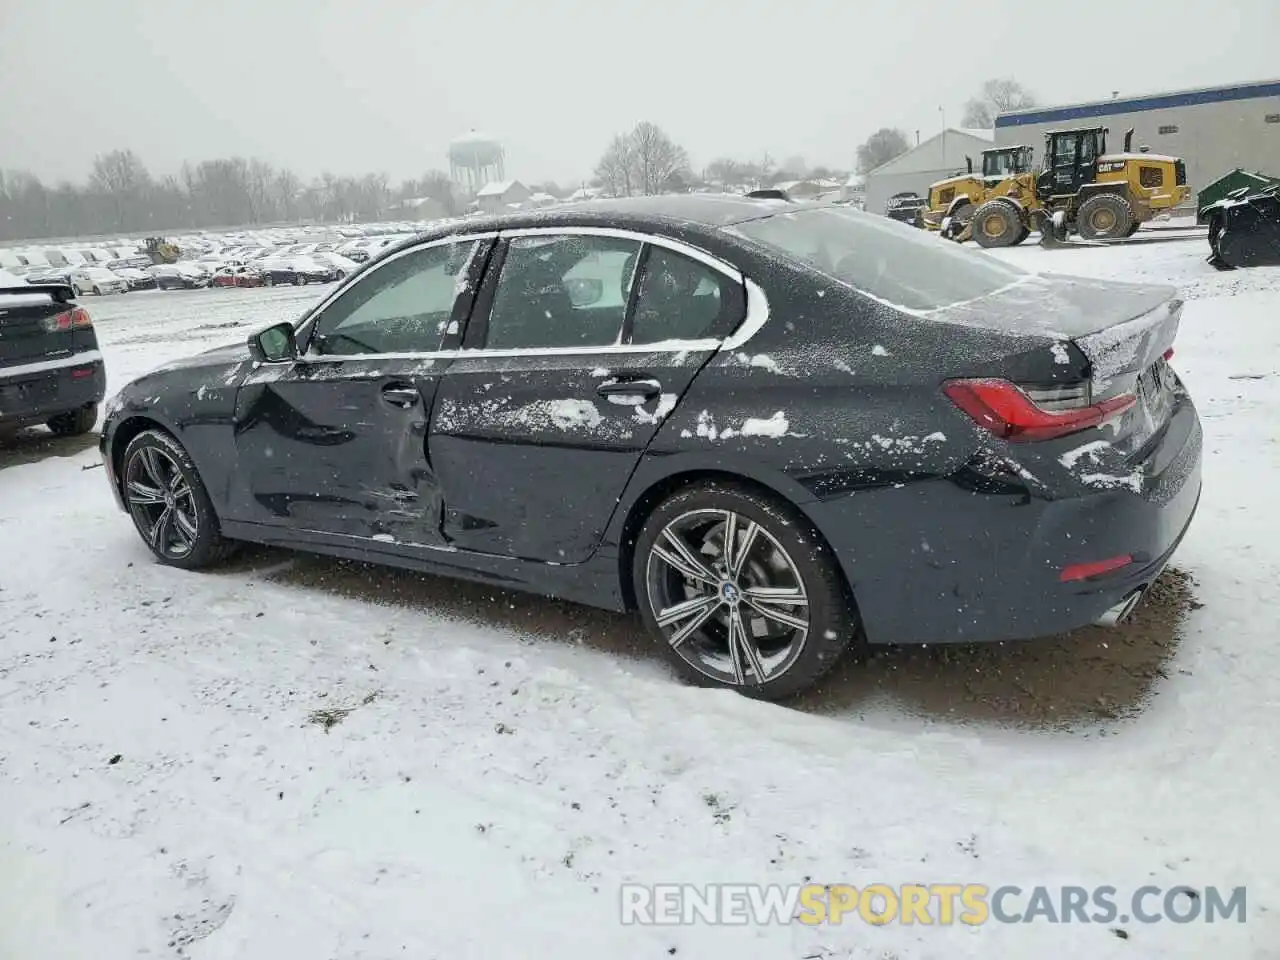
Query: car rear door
x=334 y=444
x=582 y=342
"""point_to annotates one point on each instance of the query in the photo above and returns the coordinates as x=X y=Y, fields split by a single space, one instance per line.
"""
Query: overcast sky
x=383 y=85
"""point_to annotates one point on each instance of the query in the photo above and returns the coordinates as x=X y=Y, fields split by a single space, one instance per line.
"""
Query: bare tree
x=615 y=167
x=437 y=185
x=645 y=160
x=995 y=97
x=659 y=163
x=881 y=147
x=285 y=190
x=258 y=180
x=725 y=172
x=122 y=179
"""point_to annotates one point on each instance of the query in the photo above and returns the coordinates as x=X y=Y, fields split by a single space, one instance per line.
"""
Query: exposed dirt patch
x=1096 y=673
x=37 y=443
x=1090 y=675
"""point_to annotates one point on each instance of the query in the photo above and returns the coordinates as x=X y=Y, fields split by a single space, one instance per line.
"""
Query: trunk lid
x=1064 y=308
x=23 y=335
x=1123 y=332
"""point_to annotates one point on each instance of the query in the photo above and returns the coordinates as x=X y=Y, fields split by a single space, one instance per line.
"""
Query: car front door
x=581 y=344
x=334 y=443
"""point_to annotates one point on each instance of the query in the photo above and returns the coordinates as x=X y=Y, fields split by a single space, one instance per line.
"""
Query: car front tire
x=169 y=504
x=768 y=617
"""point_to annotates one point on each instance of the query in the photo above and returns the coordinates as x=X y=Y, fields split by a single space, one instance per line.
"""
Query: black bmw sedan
x=771 y=428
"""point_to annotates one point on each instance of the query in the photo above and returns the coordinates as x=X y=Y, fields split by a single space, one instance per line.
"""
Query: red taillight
x=1083 y=571
x=1007 y=411
x=77 y=318
x=1168 y=354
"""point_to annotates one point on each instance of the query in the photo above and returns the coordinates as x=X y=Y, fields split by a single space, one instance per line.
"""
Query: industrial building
x=940 y=156
x=1214 y=129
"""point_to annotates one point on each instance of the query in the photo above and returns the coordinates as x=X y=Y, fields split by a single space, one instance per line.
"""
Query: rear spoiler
x=59 y=292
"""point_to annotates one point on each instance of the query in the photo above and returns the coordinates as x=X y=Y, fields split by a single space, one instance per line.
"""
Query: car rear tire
x=1104 y=216
x=997 y=224
x=768 y=619
x=169 y=504
x=75 y=423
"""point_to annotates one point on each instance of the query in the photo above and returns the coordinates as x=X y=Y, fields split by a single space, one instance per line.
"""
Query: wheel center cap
x=729 y=592
x=169 y=500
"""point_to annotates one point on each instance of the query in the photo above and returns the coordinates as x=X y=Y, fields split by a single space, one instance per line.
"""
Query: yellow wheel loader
x=952 y=201
x=161 y=250
x=1083 y=189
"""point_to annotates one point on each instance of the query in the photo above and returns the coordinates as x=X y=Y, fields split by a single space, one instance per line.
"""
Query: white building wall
x=938 y=157
x=1213 y=138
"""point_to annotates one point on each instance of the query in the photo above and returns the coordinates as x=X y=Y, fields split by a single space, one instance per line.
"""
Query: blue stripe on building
x=1250 y=91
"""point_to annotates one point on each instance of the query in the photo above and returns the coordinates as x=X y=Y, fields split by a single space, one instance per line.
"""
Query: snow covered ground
x=292 y=757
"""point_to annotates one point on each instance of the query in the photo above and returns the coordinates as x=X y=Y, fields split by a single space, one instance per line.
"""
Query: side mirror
x=274 y=345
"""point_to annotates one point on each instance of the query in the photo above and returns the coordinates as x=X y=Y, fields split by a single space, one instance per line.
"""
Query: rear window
x=889 y=261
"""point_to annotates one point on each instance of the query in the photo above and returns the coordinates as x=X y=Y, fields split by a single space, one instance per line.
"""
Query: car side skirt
x=593 y=583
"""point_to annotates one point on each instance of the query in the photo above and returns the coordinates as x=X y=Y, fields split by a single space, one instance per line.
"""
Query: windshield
x=1001 y=164
x=889 y=261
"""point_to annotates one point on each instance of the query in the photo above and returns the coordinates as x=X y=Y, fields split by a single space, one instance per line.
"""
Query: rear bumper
x=32 y=393
x=958 y=559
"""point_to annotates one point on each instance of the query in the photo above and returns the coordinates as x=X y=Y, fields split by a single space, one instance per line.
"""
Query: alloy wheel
x=161 y=502
x=727 y=597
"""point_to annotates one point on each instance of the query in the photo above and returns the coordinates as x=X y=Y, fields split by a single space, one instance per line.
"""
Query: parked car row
x=294 y=255
x=196 y=274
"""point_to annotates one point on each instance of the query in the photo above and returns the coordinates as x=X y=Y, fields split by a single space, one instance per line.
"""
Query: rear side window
x=681 y=299
x=889 y=261
x=562 y=291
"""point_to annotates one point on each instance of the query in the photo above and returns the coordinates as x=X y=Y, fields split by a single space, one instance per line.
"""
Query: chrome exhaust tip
x=1120 y=612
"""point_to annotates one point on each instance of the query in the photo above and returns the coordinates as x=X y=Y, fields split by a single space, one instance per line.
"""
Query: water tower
x=475 y=160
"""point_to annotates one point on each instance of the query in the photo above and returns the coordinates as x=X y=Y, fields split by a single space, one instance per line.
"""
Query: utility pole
x=943 y=112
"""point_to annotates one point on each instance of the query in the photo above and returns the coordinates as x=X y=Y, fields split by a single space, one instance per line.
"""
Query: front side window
x=1064 y=151
x=404 y=307
x=681 y=299
x=566 y=290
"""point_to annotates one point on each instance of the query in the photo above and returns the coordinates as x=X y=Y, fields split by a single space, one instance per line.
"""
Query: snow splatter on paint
x=759 y=360
x=1107 y=481
x=666 y=403
x=1072 y=457
x=774 y=426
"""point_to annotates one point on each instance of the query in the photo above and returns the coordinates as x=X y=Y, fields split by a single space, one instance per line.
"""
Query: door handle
x=400 y=396
x=630 y=388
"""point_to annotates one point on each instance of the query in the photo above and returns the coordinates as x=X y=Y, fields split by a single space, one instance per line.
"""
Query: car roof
x=705 y=213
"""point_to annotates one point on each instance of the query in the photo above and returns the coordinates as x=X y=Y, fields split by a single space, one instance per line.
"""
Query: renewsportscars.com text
x=942 y=904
